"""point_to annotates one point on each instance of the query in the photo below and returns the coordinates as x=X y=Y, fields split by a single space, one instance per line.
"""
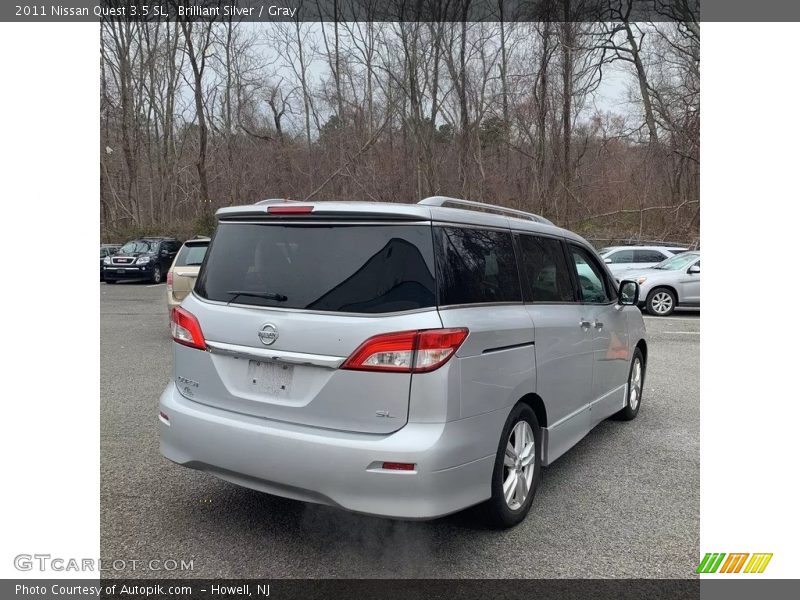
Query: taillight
x=169 y=281
x=436 y=346
x=396 y=466
x=289 y=209
x=407 y=351
x=186 y=329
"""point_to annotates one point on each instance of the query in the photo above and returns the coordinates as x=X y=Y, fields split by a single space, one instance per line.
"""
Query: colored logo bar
x=719 y=562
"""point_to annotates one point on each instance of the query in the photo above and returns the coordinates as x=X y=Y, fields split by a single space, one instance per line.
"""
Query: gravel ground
x=625 y=502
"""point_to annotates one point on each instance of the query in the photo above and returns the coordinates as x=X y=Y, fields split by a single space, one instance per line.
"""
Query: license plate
x=270 y=378
x=120 y=271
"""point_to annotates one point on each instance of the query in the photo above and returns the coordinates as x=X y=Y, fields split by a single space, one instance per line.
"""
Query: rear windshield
x=191 y=255
x=339 y=268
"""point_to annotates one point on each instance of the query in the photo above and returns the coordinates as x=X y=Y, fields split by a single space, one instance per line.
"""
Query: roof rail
x=472 y=205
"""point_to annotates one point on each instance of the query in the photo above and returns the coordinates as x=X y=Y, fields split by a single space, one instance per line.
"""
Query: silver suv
x=400 y=360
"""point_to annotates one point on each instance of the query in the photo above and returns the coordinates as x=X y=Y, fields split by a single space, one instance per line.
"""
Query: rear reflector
x=396 y=466
x=407 y=351
x=186 y=329
x=162 y=416
x=169 y=281
x=289 y=209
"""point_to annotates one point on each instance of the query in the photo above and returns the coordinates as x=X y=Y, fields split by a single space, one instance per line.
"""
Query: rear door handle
x=585 y=323
x=598 y=324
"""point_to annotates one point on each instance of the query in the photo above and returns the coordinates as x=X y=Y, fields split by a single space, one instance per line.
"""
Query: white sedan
x=621 y=258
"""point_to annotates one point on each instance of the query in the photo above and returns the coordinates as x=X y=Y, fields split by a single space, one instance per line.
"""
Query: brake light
x=407 y=351
x=289 y=209
x=186 y=329
x=169 y=281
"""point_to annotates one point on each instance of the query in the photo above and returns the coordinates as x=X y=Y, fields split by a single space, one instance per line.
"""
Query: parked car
x=400 y=360
x=183 y=272
x=671 y=283
x=144 y=259
x=106 y=250
x=621 y=258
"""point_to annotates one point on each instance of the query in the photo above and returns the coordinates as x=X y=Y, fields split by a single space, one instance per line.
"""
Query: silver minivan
x=407 y=361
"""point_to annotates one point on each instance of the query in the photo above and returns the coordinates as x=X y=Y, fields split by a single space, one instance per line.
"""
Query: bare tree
x=196 y=115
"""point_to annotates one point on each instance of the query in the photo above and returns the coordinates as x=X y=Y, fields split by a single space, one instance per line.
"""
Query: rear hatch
x=186 y=267
x=282 y=303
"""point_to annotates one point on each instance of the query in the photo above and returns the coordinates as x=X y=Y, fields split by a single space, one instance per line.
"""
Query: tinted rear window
x=475 y=266
x=340 y=268
x=191 y=255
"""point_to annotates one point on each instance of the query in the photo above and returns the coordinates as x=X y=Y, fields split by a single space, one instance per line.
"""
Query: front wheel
x=635 y=387
x=661 y=302
x=517 y=469
x=157 y=274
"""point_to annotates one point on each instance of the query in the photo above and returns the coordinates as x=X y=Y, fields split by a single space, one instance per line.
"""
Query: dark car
x=143 y=259
x=106 y=250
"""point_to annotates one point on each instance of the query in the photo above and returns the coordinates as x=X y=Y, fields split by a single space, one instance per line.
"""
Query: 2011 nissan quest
x=407 y=361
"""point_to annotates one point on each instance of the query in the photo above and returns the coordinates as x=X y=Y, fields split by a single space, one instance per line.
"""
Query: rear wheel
x=661 y=302
x=156 y=274
x=517 y=469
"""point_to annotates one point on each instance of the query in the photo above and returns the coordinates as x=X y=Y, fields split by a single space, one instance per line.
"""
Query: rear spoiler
x=299 y=211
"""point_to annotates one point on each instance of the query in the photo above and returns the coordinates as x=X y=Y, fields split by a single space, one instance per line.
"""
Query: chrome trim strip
x=283 y=356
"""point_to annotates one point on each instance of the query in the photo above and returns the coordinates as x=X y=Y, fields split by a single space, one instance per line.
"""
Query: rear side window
x=621 y=256
x=475 y=266
x=545 y=274
x=339 y=268
x=191 y=255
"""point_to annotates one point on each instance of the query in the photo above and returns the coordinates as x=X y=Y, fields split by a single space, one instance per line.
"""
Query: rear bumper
x=333 y=467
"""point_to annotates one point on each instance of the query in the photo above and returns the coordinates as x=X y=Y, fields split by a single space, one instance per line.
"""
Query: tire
x=635 y=387
x=111 y=281
x=661 y=302
x=520 y=426
x=156 y=278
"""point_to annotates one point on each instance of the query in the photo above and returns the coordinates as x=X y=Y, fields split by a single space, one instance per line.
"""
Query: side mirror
x=607 y=261
x=694 y=270
x=628 y=293
x=164 y=252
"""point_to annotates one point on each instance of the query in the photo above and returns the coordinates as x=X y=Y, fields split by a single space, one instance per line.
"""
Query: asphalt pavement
x=625 y=502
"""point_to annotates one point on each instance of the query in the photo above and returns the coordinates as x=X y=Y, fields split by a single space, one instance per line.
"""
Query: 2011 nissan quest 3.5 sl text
x=400 y=360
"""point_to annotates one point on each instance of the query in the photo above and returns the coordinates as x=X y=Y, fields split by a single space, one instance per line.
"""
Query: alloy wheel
x=661 y=303
x=518 y=465
x=635 y=384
